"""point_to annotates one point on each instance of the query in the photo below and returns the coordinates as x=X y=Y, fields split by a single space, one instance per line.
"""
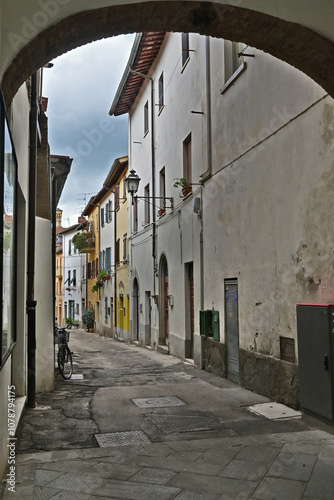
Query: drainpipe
x=153 y=185
x=205 y=176
x=115 y=267
x=31 y=303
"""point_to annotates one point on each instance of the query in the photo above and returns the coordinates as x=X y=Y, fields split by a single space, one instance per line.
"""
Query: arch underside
x=299 y=46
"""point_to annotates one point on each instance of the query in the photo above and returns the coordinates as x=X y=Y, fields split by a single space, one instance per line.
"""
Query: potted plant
x=69 y=320
x=88 y=319
x=183 y=183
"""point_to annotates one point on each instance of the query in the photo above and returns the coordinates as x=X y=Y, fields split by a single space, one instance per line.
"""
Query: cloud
x=80 y=88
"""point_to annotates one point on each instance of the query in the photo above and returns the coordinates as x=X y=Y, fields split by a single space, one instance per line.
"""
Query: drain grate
x=158 y=402
x=121 y=438
x=189 y=421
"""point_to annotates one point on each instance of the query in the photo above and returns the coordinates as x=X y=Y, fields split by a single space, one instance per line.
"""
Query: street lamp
x=132 y=185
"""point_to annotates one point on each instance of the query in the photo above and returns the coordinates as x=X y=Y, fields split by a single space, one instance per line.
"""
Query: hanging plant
x=84 y=241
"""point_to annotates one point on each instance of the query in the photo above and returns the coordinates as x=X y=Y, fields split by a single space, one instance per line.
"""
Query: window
x=117 y=197
x=69 y=278
x=89 y=270
x=146 y=118
x=102 y=217
x=117 y=251
x=124 y=188
x=161 y=93
x=108 y=211
x=102 y=260
x=233 y=63
x=108 y=259
x=69 y=247
x=135 y=214
x=187 y=174
x=8 y=181
x=106 y=309
x=185 y=48
x=162 y=188
x=147 y=203
x=125 y=250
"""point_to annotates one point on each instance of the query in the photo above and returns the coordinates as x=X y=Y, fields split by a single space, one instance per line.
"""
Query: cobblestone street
x=133 y=423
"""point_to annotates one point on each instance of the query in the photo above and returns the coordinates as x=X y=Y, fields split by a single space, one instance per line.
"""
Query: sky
x=80 y=88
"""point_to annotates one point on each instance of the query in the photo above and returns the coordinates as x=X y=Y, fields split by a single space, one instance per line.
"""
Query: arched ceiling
x=34 y=32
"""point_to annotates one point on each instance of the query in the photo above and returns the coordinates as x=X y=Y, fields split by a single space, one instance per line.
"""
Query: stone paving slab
x=249 y=458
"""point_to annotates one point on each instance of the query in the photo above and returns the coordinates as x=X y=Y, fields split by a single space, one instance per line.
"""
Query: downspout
x=31 y=303
x=153 y=185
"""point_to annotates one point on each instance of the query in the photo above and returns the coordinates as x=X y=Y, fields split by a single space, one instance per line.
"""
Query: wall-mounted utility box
x=209 y=324
x=315 y=329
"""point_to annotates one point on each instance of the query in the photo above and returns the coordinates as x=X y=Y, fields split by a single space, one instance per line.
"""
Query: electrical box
x=209 y=324
x=315 y=329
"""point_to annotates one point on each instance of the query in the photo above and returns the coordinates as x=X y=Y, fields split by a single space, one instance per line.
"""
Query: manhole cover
x=275 y=411
x=190 y=421
x=121 y=438
x=158 y=402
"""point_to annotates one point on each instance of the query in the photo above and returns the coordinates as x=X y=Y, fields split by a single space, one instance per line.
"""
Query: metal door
x=232 y=328
x=315 y=359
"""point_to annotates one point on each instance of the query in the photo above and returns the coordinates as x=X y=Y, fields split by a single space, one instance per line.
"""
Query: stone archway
x=295 y=44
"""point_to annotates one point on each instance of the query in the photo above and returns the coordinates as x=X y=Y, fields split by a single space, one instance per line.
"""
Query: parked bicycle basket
x=62 y=336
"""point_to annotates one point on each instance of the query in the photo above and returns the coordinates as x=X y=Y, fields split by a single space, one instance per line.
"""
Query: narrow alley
x=133 y=423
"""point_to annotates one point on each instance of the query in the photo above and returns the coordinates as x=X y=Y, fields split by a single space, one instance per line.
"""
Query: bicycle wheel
x=65 y=362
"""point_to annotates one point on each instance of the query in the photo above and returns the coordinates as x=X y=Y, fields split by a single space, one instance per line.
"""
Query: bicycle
x=65 y=363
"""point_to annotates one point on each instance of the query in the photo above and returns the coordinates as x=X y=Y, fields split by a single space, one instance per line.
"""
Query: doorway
x=189 y=309
x=163 y=302
x=135 y=296
x=232 y=328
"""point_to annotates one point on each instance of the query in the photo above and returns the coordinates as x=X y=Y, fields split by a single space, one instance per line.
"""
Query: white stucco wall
x=44 y=309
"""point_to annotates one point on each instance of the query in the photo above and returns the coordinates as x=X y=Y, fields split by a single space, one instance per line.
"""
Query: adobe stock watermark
x=31 y=26
x=11 y=440
x=92 y=138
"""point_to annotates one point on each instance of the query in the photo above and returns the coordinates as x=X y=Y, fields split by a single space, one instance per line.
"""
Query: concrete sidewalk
x=143 y=425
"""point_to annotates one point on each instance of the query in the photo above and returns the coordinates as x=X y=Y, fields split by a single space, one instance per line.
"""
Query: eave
x=144 y=51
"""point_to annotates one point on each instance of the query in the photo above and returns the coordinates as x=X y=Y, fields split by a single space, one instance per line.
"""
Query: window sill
x=233 y=78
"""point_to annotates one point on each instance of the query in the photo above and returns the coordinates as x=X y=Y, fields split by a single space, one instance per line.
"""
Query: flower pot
x=186 y=190
x=161 y=212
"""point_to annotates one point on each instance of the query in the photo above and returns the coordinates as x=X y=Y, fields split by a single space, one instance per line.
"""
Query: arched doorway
x=135 y=320
x=30 y=39
x=163 y=302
